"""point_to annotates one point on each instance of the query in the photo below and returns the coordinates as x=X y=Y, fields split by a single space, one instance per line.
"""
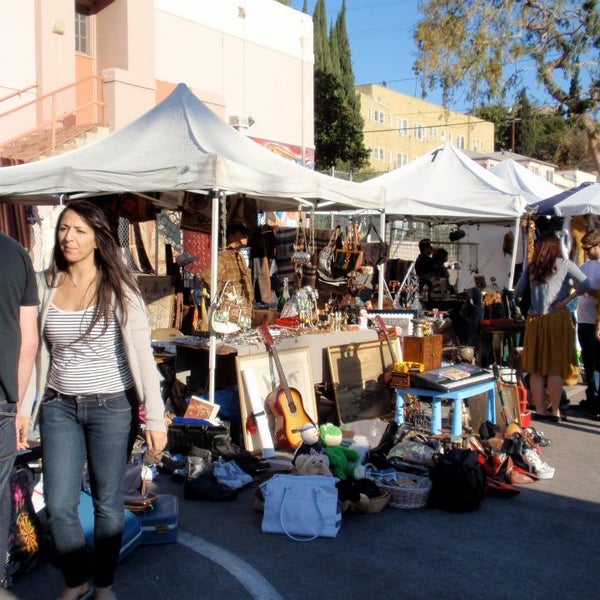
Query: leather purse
x=137 y=498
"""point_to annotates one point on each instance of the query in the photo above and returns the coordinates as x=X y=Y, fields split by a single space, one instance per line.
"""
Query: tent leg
x=513 y=260
x=214 y=256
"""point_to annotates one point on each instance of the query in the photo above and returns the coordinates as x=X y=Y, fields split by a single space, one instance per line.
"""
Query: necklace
x=76 y=283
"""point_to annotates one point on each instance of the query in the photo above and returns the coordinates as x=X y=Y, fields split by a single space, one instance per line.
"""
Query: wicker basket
x=404 y=494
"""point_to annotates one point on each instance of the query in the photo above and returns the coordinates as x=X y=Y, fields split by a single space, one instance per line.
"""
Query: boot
x=198 y=461
x=200 y=483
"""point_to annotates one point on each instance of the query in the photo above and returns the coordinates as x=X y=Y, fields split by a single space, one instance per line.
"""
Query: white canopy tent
x=446 y=186
x=181 y=144
x=533 y=186
x=582 y=200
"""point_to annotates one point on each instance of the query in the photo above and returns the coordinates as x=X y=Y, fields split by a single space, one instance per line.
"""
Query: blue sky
x=382 y=45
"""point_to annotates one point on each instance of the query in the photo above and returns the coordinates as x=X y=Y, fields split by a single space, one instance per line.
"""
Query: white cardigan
x=138 y=348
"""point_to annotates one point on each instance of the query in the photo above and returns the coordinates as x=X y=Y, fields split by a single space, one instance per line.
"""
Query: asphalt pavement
x=541 y=544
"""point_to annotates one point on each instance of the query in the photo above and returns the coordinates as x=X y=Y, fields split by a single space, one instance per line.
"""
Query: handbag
x=375 y=253
x=346 y=261
x=304 y=507
x=232 y=312
x=25 y=535
x=327 y=254
x=301 y=255
x=137 y=497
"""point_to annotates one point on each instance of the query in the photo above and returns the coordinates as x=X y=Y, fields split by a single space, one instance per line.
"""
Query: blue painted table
x=458 y=396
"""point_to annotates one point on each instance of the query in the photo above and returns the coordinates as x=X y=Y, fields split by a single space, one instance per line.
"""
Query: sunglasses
x=588 y=248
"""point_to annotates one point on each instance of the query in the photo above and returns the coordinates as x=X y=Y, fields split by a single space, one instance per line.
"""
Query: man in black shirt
x=425 y=265
x=19 y=333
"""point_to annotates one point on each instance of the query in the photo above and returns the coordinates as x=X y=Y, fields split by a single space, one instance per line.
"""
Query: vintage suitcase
x=132 y=532
x=159 y=525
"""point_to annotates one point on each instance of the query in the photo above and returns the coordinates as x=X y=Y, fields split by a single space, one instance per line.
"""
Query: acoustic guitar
x=285 y=402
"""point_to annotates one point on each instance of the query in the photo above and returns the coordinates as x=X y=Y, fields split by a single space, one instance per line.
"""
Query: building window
x=378 y=153
x=82 y=29
x=402 y=127
x=433 y=133
x=450 y=137
x=401 y=159
x=442 y=135
x=476 y=145
x=460 y=142
x=420 y=132
x=369 y=113
x=379 y=116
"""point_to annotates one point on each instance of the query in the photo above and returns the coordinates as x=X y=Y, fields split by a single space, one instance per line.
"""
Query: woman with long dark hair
x=94 y=369
x=549 y=341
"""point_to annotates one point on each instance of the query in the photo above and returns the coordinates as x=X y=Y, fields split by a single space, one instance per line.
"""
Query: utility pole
x=513 y=121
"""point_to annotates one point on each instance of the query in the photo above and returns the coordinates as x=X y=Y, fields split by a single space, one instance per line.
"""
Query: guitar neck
x=270 y=344
x=383 y=328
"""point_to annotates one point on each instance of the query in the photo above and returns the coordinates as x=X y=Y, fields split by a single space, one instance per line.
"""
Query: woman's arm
x=143 y=367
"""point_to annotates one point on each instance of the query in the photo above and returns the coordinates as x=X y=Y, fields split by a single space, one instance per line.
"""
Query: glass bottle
x=285 y=295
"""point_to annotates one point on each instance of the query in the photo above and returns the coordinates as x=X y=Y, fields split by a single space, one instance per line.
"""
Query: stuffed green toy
x=343 y=462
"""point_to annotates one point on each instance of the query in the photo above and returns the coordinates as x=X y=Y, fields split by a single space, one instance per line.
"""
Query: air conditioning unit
x=241 y=121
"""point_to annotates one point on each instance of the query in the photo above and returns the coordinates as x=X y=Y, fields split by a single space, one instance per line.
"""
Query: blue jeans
x=8 y=451
x=73 y=428
x=590 y=357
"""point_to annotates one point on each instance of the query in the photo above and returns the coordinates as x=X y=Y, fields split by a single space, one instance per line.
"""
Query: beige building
x=399 y=128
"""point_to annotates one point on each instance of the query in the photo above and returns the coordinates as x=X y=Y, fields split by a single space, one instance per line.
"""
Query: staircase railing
x=51 y=114
x=18 y=92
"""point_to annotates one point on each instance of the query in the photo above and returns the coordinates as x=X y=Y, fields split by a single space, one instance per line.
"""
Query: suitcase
x=132 y=529
x=159 y=525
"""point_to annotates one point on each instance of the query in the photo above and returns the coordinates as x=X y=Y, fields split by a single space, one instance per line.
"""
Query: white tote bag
x=304 y=507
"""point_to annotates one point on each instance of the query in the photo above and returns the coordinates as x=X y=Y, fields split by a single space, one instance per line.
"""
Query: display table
x=508 y=334
x=192 y=357
x=458 y=396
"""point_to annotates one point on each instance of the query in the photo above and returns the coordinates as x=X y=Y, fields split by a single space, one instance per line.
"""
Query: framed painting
x=258 y=376
x=357 y=373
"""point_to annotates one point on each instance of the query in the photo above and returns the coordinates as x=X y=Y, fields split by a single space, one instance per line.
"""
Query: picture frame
x=296 y=365
x=358 y=377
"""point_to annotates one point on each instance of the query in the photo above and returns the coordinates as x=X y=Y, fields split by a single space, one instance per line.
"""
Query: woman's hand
x=22 y=424
x=156 y=442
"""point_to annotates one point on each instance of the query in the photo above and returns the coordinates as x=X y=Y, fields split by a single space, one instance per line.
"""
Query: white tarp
x=447 y=186
x=181 y=144
x=532 y=185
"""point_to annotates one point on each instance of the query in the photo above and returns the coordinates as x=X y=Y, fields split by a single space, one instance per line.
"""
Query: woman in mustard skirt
x=549 y=341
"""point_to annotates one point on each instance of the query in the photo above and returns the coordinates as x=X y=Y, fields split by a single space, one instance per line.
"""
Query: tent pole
x=381 y=268
x=156 y=244
x=513 y=259
x=214 y=257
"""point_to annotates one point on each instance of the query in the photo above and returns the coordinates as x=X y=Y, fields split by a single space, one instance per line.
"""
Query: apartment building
x=399 y=128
